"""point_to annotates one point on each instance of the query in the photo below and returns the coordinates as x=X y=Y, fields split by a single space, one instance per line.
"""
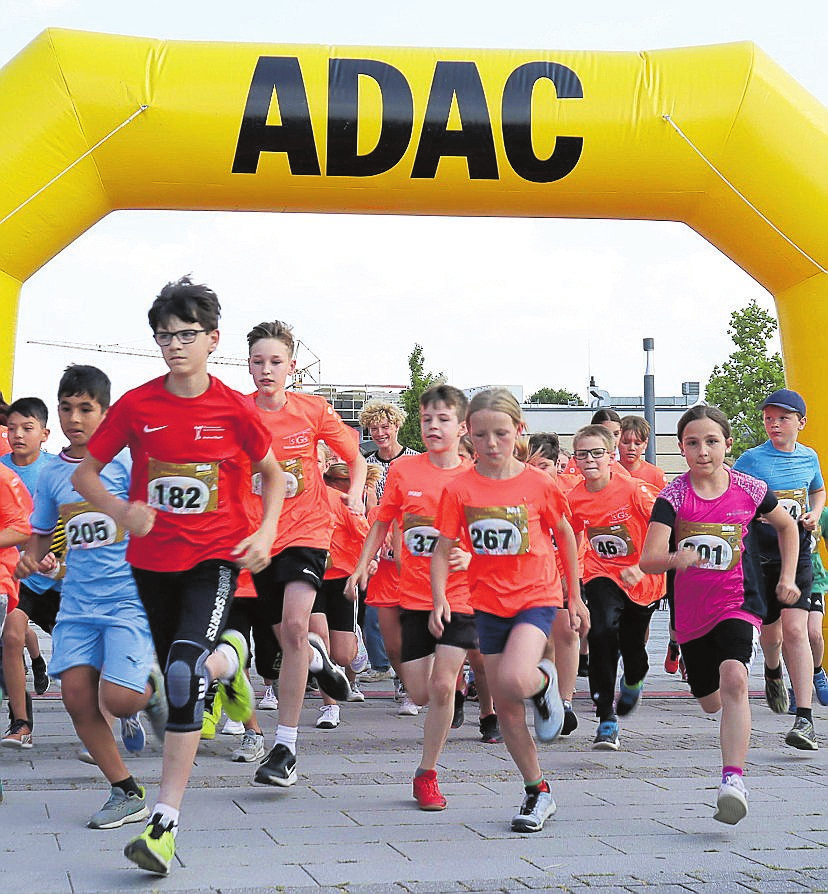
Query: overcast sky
x=492 y=301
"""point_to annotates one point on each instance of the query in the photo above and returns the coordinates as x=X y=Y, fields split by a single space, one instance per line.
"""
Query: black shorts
x=248 y=615
x=731 y=639
x=817 y=603
x=417 y=641
x=770 y=578
x=296 y=563
x=191 y=605
x=332 y=602
x=41 y=608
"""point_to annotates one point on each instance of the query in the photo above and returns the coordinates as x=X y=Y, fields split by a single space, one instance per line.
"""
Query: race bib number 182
x=183 y=488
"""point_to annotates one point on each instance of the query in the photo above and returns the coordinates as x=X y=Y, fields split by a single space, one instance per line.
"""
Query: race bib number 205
x=87 y=527
x=498 y=530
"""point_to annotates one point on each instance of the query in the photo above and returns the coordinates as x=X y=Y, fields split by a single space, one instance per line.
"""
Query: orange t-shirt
x=384 y=586
x=295 y=430
x=507 y=524
x=5 y=447
x=411 y=498
x=15 y=511
x=348 y=535
x=615 y=521
x=649 y=473
x=244 y=586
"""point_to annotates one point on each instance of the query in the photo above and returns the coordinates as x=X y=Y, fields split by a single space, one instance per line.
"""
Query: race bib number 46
x=498 y=530
x=87 y=527
x=718 y=546
x=183 y=488
x=419 y=535
x=611 y=541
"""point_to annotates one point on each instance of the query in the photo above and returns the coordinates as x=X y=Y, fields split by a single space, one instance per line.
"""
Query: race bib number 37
x=183 y=488
x=718 y=546
x=87 y=527
x=419 y=535
x=498 y=530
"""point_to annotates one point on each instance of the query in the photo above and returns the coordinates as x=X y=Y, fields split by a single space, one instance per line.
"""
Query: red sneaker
x=427 y=792
x=671 y=662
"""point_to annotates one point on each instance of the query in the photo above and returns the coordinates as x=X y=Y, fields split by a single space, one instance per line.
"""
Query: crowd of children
x=186 y=527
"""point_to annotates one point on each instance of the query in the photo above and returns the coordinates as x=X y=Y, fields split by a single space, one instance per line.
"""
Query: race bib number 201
x=183 y=488
x=498 y=530
x=718 y=546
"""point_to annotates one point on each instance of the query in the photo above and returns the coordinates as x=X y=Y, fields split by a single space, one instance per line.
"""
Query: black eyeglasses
x=595 y=453
x=185 y=336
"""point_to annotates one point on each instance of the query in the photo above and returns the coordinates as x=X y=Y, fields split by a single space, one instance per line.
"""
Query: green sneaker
x=237 y=696
x=154 y=848
x=156 y=709
x=119 y=809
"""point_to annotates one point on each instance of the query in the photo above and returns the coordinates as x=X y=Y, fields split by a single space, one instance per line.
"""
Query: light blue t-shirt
x=29 y=475
x=98 y=580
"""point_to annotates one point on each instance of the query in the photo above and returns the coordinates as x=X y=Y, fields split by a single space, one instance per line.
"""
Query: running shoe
x=536 y=808
x=360 y=661
x=87 y=758
x=791 y=701
x=328 y=717
x=821 y=687
x=471 y=692
x=154 y=848
x=459 y=715
x=570 y=719
x=332 y=680
x=156 y=709
x=356 y=694
x=490 y=730
x=39 y=676
x=237 y=697
x=376 y=675
x=606 y=739
x=731 y=803
x=399 y=690
x=671 y=660
x=251 y=748
x=407 y=707
x=279 y=768
x=776 y=695
x=132 y=735
x=120 y=808
x=629 y=697
x=547 y=705
x=802 y=735
x=232 y=728
x=269 y=701
x=212 y=715
x=427 y=793
x=18 y=735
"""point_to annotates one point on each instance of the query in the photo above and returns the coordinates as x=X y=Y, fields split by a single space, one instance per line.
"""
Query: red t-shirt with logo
x=190 y=461
x=411 y=498
x=507 y=524
x=348 y=535
x=15 y=511
x=614 y=521
x=295 y=430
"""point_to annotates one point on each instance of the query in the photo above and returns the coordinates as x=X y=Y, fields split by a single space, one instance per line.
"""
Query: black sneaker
x=331 y=679
x=39 y=675
x=490 y=730
x=279 y=768
x=802 y=735
x=459 y=715
x=570 y=719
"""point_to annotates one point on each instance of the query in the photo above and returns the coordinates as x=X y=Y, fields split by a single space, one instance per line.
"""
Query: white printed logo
x=208 y=432
x=148 y=429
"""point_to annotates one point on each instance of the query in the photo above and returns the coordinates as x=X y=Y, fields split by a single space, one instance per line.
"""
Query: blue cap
x=787 y=399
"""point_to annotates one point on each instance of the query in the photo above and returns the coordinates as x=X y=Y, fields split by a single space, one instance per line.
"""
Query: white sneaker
x=372 y=675
x=251 y=748
x=360 y=662
x=731 y=804
x=328 y=717
x=269 y=702
x=357 y=694
x=233 y=728
x=407 y=707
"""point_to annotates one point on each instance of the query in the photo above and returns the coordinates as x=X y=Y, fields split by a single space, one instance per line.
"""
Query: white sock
x=232 y=660
x=316 y=663
x=168 y=814
x=286 y=735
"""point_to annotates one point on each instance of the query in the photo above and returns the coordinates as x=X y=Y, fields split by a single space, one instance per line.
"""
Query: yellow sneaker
x=154 y=848
x=237 y=696
x=211 y=718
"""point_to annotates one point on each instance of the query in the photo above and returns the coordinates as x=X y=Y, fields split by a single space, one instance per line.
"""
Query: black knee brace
x=186 y=679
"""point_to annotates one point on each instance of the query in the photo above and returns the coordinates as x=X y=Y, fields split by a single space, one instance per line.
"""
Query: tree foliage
x=549 y=395
x=419 y=380
x=748 y=376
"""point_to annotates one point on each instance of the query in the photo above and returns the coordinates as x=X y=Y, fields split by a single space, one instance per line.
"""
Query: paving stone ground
x=639 y=820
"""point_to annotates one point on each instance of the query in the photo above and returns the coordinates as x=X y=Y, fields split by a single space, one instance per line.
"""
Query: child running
x=193 y=441
x=703 y=526
x=505 y=511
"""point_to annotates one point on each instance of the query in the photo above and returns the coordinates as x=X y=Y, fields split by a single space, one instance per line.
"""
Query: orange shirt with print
x=614 y=521
x=348 y=535
x=411 y=498
x=384 y=586
x=508 y=526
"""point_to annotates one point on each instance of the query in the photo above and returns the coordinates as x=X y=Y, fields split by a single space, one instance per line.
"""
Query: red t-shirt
x=15 y=511
x=507 y=525
x=295 y=430
x=191 y=461
x=5 y=447
x=615 y=521
x=349 y=533
x=384 y=586
x=411 y=498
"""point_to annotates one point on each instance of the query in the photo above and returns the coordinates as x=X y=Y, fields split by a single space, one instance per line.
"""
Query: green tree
x=419 y=380
x=549 y=395
x=748 y=376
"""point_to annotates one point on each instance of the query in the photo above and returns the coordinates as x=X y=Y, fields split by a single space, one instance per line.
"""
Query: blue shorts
x=493 y=631
x=120 y=648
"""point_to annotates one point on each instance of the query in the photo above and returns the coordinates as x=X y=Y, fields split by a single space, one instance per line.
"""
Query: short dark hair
x=188 y=301
x=30 y=407
x=79 y=379
x=605 y=414
x=702 y=411
x=449 y=395
x=545 y=444
x=277 y=329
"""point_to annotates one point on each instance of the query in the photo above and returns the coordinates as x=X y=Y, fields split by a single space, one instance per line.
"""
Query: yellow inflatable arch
x=718 y=137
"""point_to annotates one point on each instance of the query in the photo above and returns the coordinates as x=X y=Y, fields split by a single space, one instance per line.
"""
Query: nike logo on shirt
x=147 y=428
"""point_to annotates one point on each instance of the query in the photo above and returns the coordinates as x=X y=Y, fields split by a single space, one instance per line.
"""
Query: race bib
x=611 y=541
x=294 y=477
x=183 y=488
x=794 y=502
x=720 y=546
x=87 y=527
x=419 y=535
x=498 y=530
